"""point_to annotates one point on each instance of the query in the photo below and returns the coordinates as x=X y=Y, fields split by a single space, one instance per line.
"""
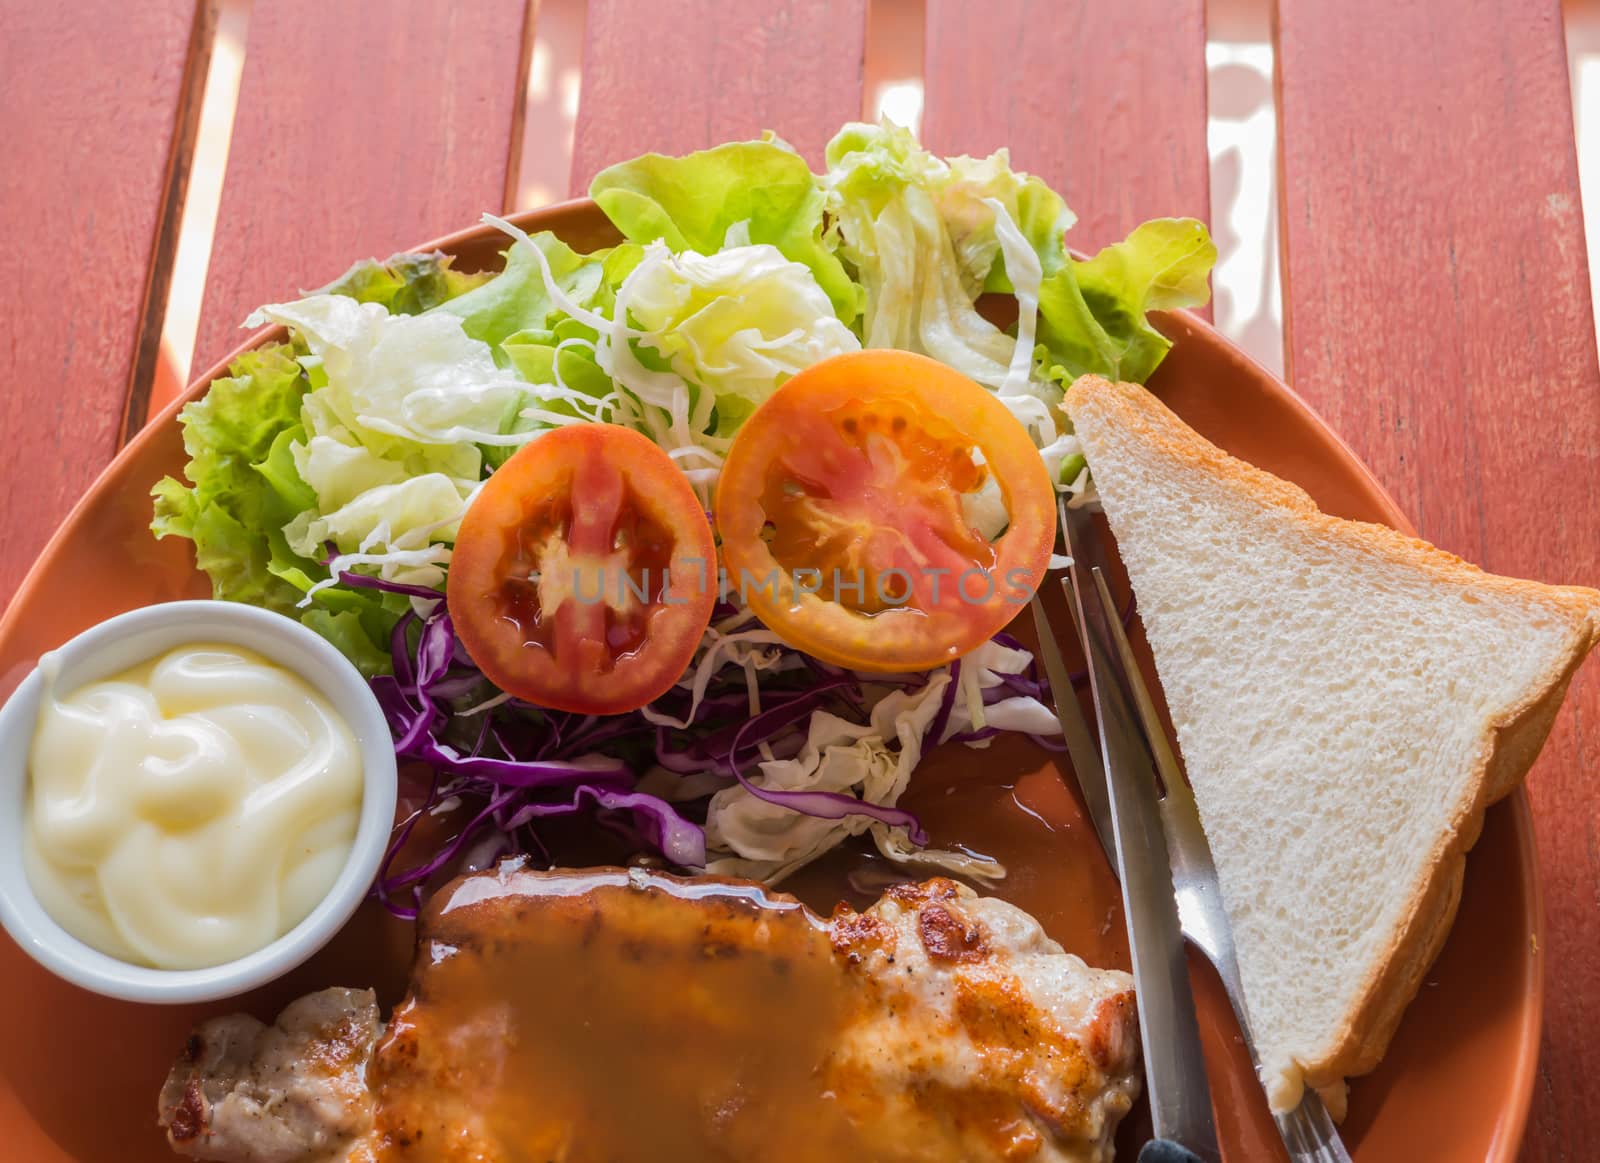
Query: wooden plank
x=1438 y=314
x=671 y=76
x=361 y=129
x=1105 y=101
x=94 y=136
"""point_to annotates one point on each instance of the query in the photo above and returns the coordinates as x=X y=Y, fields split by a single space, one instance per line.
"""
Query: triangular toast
x=1347 y=700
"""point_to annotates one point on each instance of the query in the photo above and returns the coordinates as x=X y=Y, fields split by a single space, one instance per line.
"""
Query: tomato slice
x=582 y=574
x=843 y=511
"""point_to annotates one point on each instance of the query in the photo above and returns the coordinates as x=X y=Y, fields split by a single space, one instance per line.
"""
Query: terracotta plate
x=79 y=1074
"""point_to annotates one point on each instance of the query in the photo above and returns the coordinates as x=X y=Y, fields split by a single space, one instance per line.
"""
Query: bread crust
x=1506 y=748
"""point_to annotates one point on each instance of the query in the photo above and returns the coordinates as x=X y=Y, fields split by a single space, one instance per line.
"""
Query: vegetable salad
x=329 y=476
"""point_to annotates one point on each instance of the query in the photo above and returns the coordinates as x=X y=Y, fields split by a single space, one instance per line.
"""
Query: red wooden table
x=1437 y=307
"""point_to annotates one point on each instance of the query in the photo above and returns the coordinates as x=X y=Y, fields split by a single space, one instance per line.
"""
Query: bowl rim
x=113 y=645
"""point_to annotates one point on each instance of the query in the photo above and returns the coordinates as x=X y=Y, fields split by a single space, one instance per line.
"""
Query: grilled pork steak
x=291 y=1091
x=624 y=1015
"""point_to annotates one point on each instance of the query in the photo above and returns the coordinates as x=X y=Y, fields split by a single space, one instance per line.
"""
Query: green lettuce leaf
x=353 y=635
x=533 y=353
x=743 y=192
x=921 y=231
x=535 y=356
x=244 y=489
x=515 y=299
x=1092 y=314
x=406 y=284
x=239 y=488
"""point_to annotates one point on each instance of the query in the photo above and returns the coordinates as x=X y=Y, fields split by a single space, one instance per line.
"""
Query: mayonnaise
x=190 y=810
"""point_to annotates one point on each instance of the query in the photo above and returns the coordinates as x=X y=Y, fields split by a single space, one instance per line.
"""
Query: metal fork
x=1307 y=1132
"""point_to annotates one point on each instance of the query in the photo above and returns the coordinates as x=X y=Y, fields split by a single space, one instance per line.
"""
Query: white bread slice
x=1347 y=701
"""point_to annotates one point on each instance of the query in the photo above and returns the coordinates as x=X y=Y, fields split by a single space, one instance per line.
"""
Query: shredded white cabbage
x=737 y=323
x=981 y=670
x=754 y=650
x=417 y=377
x=733 y=326
x=769 y=841
x=589 y=409
x=1022 y=393
x=751 y=837
x=1026 y=274
x=656 y=403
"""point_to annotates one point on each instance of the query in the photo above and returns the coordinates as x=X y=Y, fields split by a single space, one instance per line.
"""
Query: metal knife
x=1175 y=1073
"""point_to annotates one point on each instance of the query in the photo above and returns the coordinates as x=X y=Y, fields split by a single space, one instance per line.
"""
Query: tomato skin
x=856 y=467
x=598 y=522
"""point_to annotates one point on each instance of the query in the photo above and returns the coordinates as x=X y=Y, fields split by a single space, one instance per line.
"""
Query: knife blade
x=1175 y=1074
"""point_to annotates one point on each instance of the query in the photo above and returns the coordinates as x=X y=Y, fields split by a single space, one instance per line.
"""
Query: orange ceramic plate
x=79 y=1074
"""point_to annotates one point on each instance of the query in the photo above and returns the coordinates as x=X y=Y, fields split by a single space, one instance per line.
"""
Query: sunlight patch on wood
x=198 y=223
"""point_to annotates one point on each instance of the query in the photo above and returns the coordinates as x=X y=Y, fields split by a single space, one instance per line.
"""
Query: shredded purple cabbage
x=362 y=581
x=500 y=765
x=947 y=702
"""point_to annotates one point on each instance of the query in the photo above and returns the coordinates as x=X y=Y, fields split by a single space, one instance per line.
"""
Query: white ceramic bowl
x=125 y=641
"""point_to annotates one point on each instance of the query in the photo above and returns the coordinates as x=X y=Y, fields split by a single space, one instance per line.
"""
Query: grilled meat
x=623 y=1015
x=291 y=1091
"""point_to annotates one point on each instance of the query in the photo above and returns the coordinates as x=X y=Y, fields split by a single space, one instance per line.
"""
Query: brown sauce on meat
x=601 y=1017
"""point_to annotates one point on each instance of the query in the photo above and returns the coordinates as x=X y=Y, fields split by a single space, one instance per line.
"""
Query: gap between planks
x=184 y=248
x=540 y=151
x=142 y=375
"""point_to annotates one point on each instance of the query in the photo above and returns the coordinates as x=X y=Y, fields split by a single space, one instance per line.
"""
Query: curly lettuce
x=1092 y=314
x=925 y=235
x=736 y=194
x=920 y=293
x=244 y=490
x=275 y=472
